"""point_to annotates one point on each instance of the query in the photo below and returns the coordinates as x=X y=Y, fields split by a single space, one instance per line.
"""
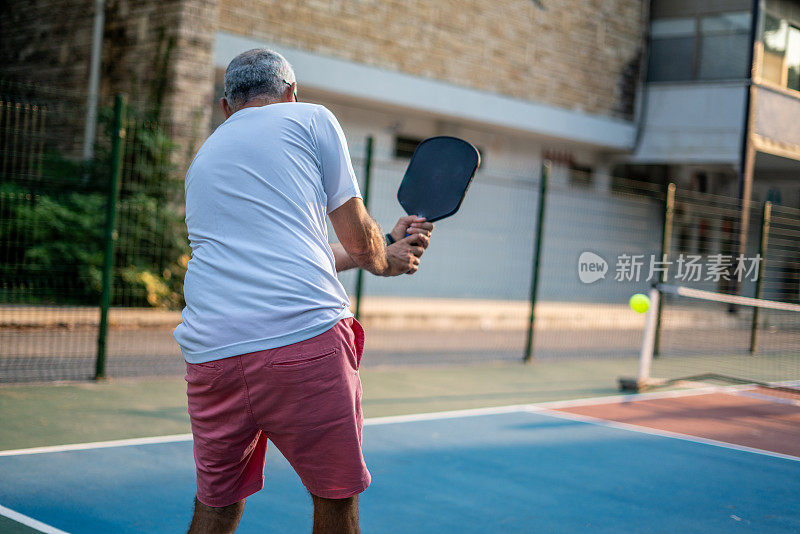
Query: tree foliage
x=53 y=227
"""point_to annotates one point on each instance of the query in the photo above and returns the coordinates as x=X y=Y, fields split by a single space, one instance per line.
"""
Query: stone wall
x=160 y=53
x=46 y=42
x=157 y=52
x=43 y=68
x=575 y=54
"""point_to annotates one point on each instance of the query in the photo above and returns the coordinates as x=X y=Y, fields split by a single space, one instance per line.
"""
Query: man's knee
x=335 y=516
x=214 y=519
x=348 y=502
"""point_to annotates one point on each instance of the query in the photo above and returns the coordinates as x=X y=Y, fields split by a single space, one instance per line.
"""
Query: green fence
x=470 y=301
x=58 y=251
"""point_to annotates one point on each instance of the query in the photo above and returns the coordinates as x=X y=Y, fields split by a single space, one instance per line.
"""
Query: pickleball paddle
x=438 y=176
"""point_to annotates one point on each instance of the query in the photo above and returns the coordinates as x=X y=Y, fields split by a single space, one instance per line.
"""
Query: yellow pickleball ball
x=639 y=302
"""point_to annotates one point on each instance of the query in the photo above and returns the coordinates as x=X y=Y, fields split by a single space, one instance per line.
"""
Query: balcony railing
x=776 y=116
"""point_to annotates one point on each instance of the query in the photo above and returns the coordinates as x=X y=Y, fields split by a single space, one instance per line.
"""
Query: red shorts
x=304 y=397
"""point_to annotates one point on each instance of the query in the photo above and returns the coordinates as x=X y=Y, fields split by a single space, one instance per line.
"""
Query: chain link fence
x=470 y=301
x=53 y=227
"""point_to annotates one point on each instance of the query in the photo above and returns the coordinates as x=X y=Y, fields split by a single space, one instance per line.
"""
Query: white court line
x=544 y=408
x=634 y=397
x=453 y=414
x=607 y=399
x=29 y=521
x=656 y=432
x=393 y=419
x=99 y=445
x=769 y=398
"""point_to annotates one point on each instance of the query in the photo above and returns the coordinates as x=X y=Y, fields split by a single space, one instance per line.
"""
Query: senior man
x=271 y=347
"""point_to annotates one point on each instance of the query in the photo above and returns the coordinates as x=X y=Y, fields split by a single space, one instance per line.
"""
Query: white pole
x=89 y=131
x=648 y=340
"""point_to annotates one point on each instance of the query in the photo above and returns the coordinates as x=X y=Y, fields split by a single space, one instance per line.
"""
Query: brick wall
x=46 y=42
x=38 y=65
x=576 y=54
x=191 y=97
x=159 y=52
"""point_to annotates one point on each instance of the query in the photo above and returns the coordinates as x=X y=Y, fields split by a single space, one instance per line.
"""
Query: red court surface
x=748 y=417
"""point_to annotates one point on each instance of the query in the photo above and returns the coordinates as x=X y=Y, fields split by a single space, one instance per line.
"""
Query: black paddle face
x=437 y=177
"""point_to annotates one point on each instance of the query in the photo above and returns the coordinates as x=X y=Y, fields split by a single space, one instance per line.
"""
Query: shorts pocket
x=203 y=373
x=301 y=360
x=213 y=367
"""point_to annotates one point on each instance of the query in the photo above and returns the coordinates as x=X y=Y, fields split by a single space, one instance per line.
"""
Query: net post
x=117 y=140
x=649 y=338
x=642 y=379
x=367 y=180
x=666 y=243
x=537 y=255
x=766 y=216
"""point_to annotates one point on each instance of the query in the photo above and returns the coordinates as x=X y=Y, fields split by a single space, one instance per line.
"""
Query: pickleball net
x=703 y=337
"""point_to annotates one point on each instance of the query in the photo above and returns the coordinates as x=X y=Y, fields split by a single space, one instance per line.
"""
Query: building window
x=404 y=147
x=672 y=50
x=781 y=59
x=793 y=59
x=580 y=175
x=712 y=47
x=724 y=47
x=564 y=161
x=774 y=41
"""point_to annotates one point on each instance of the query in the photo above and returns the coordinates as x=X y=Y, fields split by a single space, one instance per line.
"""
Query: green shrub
x=53 y=227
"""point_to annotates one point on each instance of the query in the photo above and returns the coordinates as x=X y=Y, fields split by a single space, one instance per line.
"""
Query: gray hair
x=257 y=72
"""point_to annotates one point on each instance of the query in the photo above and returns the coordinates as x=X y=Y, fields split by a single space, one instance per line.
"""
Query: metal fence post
x=117 y=140
x=367 y=179
x=666 y=243
x=537 y=255
x=762 y=251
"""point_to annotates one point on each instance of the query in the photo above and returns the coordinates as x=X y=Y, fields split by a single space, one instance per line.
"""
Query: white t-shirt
x=262 y=274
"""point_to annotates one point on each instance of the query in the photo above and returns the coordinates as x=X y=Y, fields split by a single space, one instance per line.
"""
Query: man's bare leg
x=336 y=516
x=211 y=520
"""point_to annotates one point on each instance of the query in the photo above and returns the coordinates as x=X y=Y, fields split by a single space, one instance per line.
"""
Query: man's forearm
x=343 y=260
x=372 y=255
x=360 y=237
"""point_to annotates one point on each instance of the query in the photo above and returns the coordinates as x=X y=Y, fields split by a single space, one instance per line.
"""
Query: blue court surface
x=503 y=471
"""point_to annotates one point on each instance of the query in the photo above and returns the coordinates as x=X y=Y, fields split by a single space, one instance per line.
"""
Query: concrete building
x=721 y=106
x=524 y=80
x=517 y=77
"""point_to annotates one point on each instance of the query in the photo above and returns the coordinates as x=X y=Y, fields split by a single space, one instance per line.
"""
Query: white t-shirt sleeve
x=338 y=177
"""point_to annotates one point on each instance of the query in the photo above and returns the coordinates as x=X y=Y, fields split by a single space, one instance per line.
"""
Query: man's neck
x=258 y=102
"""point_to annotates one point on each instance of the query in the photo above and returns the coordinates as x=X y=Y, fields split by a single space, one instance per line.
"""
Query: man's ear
x=226 y=107
x=291 y=91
